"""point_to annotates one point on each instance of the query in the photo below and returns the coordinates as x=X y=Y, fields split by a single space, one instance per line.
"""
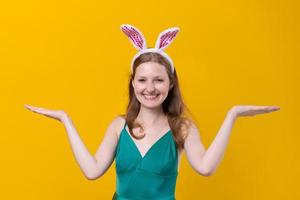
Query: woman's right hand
x=55 y=114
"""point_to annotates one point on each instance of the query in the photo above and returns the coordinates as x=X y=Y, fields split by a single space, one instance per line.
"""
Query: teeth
x=150 y=97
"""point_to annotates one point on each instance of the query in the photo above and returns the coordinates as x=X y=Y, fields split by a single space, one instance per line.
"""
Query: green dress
x=149 y=177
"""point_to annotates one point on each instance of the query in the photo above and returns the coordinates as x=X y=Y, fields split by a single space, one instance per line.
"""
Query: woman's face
x=151 y=84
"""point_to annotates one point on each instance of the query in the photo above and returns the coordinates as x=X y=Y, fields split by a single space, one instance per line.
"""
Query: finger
x=38 y=110
x=28 y=107
x=268 y=109
x=45 y=113
x=273 y=108
x=35 y=108
x=32 y=107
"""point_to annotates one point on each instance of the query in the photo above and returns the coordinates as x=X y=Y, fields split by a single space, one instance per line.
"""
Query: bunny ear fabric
x=135 y=36
x=166 y=37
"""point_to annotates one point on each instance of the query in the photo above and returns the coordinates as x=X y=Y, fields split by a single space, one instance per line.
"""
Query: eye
x=160 y=80
x=141 y=80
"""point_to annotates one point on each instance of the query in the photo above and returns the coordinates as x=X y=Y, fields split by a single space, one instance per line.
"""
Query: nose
x=150 y=87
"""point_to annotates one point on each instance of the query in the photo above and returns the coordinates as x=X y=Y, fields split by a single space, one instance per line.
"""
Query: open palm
x=249 y=110
x=55 y=114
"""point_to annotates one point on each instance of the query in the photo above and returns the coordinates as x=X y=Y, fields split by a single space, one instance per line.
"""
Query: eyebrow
x=153 y=77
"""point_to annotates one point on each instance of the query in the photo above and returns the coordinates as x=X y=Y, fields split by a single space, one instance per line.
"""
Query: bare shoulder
x=192 y=135
x=188 y=127
x=118 y=124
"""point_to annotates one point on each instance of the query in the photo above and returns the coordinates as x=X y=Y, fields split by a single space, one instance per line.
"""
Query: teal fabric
x=152 y=177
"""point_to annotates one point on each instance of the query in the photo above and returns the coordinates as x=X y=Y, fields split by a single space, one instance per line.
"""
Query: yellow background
x=71 y=55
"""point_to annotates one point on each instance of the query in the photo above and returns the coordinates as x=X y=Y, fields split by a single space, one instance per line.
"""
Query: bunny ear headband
x=164 y=39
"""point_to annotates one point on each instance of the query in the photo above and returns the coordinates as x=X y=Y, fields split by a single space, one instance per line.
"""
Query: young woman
x=148 y=141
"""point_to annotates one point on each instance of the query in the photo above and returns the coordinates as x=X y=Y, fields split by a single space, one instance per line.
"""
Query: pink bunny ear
x=166 y=37
x=135 y=36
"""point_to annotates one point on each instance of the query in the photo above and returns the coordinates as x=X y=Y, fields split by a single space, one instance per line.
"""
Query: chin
x=152 y=106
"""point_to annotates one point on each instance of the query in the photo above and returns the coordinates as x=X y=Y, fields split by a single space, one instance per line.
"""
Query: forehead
x=151 y=69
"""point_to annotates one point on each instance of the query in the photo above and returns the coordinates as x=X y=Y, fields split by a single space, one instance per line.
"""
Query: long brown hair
x=173 y=106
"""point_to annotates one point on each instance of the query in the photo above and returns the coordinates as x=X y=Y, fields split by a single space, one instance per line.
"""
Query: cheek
x=138 y=88
x=164 y=88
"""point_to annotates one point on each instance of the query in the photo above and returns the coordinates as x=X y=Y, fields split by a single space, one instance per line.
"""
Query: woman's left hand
x=248 y=110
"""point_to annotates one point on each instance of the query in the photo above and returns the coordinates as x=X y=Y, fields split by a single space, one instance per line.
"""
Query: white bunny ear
x=166 y=37
x=135 y=36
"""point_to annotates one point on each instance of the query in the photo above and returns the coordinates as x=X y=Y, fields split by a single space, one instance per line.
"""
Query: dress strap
x=124 y=124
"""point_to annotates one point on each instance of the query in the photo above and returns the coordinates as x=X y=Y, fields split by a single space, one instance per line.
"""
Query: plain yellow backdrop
x=71 y=55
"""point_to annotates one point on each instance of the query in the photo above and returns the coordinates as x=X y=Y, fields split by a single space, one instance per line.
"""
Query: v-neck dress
x=149 y=177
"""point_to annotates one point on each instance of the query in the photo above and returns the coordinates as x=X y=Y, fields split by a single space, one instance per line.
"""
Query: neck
x=151 y=115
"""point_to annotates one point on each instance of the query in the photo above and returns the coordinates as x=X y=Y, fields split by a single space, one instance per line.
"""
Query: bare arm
x=206 y=162
x=92 y=166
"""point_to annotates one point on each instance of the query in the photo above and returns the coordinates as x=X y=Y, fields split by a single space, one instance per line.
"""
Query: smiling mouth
x=150 y=97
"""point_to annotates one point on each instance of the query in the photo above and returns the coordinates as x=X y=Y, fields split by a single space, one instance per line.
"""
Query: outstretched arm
x=92 y=166
x=206 y=162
